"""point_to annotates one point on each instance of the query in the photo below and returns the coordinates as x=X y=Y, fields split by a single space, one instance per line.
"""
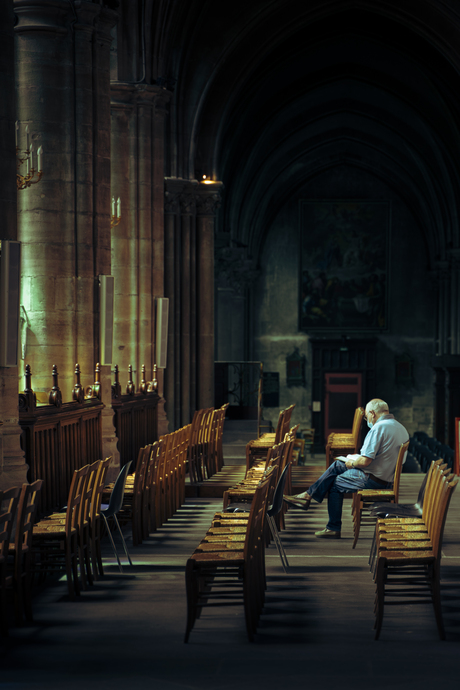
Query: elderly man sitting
x=373 y=468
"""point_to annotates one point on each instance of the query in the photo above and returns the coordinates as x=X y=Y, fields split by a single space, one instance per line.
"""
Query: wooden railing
x=136 y=416
x=58 y=437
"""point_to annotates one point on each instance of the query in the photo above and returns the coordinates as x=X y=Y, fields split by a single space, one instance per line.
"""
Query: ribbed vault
x=272 y=94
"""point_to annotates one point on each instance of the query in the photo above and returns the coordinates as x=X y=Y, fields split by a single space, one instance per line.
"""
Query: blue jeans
x=337 y=480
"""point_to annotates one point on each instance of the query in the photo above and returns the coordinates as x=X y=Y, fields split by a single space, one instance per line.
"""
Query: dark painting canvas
x=344 y=264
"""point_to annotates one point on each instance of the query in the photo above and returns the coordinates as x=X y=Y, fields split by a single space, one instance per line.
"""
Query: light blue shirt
x=382 y=444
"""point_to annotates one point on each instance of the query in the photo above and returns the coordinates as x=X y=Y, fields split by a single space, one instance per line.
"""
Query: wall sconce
x=24 y=181
x=116 y=212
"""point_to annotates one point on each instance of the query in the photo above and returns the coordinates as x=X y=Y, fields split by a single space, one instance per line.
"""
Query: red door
x=343 y=396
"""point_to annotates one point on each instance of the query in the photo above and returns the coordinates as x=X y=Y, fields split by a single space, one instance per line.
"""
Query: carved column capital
x=208 y=198
x=187 y=203
x=180 y=195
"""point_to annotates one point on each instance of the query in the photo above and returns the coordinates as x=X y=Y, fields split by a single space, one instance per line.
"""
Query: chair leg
x=123 y=540
x=98 y=549
x=380 y=596
x=81 y=559
x=373 y=551
x=356 y=511
x=192 y=589
x=26 y=584
x=278 y=542
x=113 y=544
x=436 y=595
x=87 y=555
x=3 y=611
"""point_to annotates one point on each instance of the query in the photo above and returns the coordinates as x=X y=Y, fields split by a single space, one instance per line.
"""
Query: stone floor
x=127 y=630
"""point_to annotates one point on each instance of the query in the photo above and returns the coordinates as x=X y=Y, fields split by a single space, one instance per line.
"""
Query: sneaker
x=327 y=534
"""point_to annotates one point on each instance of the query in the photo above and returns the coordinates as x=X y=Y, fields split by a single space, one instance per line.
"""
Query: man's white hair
x=378 y=406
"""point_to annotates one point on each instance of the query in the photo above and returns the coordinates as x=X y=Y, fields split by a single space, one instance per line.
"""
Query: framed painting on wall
x=344 y=257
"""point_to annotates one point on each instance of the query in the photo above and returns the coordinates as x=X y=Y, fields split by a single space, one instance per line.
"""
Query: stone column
x=13 y=469
x=180 y=288
x=124 y=235
x=171 y=212
x=188 y=305
x=63 y=52
x=136 y=241
x=63 y=81
x=161 y=103
x=208 y=200
x=46 y=211
x=101 y=234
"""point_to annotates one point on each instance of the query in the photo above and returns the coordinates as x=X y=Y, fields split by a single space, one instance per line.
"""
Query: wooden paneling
x=135 y=423
x=57 y=441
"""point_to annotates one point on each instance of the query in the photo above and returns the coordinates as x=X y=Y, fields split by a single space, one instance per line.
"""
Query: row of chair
x=228 y=566
x=205 y=455
x=257 y=449
x=18 y=507
x=425 y=449
x=155 y=491
x=406 y=555
x=278 y=455
x=70 y=539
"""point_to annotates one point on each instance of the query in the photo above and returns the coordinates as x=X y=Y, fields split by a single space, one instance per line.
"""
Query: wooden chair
x=134 y=496
x=257 y=449
x=343 y=444
x=183 y=450
x=409 y=573
x=219 y=454
x=84 y=529
x=55 y=545
x=390 y=531
x=230 y=573
x=198 y=439
x=398 y=510
x=111 y=510
x=148 y=519
x=18 y=577
x=95 y=522
x=364 y=499
x=8 y=508
x=278 y=456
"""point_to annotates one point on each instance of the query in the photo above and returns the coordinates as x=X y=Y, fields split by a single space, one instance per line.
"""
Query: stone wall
x=412 y=303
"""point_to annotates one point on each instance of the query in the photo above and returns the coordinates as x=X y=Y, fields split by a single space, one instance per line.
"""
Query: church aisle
x=127 y=631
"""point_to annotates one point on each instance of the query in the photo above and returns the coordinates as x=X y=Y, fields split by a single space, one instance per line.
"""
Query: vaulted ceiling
x=271 y=93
